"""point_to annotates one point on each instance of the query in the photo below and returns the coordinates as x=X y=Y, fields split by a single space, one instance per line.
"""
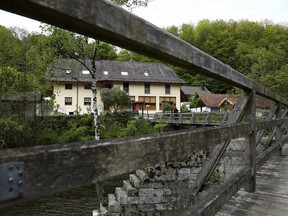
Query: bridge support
x=250 y=153
x=278 y=135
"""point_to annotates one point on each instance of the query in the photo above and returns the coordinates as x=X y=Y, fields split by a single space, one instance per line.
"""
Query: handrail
x=95 y=156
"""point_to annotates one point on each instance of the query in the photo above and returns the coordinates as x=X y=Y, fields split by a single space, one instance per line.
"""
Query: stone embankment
x=167 y=187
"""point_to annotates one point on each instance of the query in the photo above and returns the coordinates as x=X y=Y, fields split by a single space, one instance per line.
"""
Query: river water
x=81 y=202
x=77 y=202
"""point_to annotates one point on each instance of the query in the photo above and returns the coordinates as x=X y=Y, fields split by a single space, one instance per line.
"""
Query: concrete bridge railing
x=44 y=170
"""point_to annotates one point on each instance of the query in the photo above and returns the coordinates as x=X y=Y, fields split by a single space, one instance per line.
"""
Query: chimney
x=202 y=85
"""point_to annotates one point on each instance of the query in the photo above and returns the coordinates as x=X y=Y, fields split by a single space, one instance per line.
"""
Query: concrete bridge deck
x=271 y=195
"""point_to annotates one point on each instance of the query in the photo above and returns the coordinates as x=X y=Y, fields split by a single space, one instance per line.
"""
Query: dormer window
x=85 y=72
x=68 y=71
x=105 y=72
x=146 y=74
x=123 y=73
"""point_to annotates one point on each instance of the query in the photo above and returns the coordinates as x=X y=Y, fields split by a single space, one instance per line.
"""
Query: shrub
x=160 y=127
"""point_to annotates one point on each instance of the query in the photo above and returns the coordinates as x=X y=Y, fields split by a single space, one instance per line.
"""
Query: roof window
x=85 y=72
x=123 y=73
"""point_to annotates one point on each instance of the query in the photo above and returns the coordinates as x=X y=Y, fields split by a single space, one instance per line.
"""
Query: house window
x=126 y=87
x=148 y=102
x=68 y=86
x=87 y=101
x=87 y=86
x=147 y=88
x=68 y=100
x=108 y=85
x=162 y=100
x=167 y=89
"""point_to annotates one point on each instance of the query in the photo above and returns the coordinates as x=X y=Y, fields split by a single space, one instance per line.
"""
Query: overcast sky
x=165 y=13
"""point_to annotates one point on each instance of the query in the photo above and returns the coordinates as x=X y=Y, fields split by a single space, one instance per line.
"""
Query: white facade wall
x=78 y=93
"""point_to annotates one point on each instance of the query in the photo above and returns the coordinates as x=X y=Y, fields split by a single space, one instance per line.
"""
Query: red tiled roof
x=215 y=100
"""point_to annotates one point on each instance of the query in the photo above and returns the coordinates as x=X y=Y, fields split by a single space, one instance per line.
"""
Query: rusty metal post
x=250 y=153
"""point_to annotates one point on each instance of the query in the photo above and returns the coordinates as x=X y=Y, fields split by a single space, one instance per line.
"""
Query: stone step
x=129 y=189
x=141 y=175
x=134 y=180
x=103 y=211
x=121 y=196
x=113 y=205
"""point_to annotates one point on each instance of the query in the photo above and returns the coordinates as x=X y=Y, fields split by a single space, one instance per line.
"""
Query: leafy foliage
x=125 y=55
x=167 y=107
x=115 y=98
x=256 y=49
x=194 y=100
x=7 y=133
x=115 y=125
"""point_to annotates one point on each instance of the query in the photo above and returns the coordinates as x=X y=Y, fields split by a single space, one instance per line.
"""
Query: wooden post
x=218 y=150
x=278 y=135
x=250 y=153
x=270 y=116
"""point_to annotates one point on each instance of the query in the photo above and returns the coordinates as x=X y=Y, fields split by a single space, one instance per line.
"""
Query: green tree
x=10 y=49
x=277 y=81
x=194 y=100
x=126 y=55
x=256 y=49
x=114 y=98
x=65 y=44
x=62 y=44
x=167 y=107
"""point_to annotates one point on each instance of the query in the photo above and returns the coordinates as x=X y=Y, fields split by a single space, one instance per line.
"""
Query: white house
x=149 y=85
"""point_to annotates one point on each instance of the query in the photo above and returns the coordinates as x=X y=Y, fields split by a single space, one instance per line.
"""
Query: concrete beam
x=105 y=21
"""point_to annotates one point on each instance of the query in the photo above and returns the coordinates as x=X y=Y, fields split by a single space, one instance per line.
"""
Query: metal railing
x=191 y=118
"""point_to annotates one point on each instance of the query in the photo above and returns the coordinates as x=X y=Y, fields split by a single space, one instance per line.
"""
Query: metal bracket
x=11 y=180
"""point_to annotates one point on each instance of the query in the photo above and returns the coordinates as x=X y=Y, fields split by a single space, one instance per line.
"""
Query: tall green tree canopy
x=256 y=49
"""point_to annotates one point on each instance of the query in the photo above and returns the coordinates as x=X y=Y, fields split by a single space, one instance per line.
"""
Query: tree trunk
x=95 y=107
